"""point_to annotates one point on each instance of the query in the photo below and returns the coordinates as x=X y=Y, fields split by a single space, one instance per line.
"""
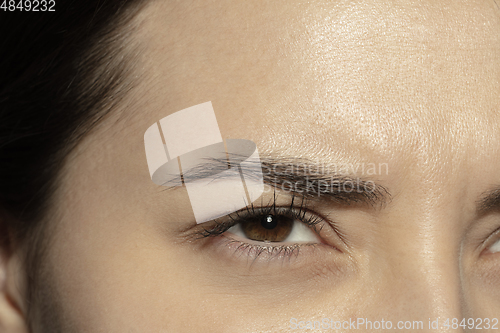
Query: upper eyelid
x=222 y=226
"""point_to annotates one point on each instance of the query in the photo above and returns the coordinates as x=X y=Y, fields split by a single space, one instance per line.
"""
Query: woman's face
x=403 y=93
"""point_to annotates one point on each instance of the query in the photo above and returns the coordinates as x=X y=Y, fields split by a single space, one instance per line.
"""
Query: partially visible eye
x=495 y=247
x=274 y=228
x=492 y=243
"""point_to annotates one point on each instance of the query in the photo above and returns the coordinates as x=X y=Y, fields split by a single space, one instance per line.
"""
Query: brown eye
x=268 y=228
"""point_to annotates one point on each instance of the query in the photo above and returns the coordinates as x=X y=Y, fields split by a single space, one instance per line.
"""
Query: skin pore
x=413 y=84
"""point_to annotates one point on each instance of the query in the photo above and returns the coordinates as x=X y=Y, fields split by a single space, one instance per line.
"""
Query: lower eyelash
x=256 y=251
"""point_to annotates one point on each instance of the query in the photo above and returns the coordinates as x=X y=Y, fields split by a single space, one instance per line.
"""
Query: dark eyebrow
x=319 y=181
x=304 y=178
x=489 y=202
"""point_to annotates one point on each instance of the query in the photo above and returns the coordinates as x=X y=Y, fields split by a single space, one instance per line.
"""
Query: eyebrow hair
x=301 y=177
x=330 y=185
x=489 y=202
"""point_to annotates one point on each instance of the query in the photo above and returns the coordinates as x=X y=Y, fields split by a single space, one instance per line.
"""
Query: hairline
x=120 y=70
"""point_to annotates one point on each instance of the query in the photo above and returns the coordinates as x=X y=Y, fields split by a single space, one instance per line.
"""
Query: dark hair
x=61 y=73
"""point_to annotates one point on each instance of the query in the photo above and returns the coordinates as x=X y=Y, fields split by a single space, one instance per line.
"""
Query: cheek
x=483 y=287
x=116 y=281
x=115 y=272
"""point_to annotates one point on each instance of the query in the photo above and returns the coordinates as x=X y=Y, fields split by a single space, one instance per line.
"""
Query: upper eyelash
x=292 y=211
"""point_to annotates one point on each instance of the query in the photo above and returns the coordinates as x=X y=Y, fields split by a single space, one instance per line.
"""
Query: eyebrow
x=489 y=202
x=304 y=178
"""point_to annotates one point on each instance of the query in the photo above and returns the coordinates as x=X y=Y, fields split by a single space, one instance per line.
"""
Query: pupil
x=269 y=222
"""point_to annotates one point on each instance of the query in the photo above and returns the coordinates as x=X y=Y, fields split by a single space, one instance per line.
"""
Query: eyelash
x=296 y=212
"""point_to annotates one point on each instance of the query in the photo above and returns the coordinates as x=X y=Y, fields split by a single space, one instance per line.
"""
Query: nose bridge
x=425 y=270
x=431 y=288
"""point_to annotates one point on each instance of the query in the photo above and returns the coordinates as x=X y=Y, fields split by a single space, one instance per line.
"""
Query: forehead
x=411 y=83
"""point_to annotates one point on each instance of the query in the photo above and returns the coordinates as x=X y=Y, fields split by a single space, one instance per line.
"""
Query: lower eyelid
x=253 y=250
x=242 y=260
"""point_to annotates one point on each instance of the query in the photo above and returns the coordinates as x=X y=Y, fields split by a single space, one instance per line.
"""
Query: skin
x=413 y=84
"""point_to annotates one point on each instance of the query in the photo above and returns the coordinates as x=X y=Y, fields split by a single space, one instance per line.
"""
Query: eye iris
x=268 y=228
x=269 y=222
